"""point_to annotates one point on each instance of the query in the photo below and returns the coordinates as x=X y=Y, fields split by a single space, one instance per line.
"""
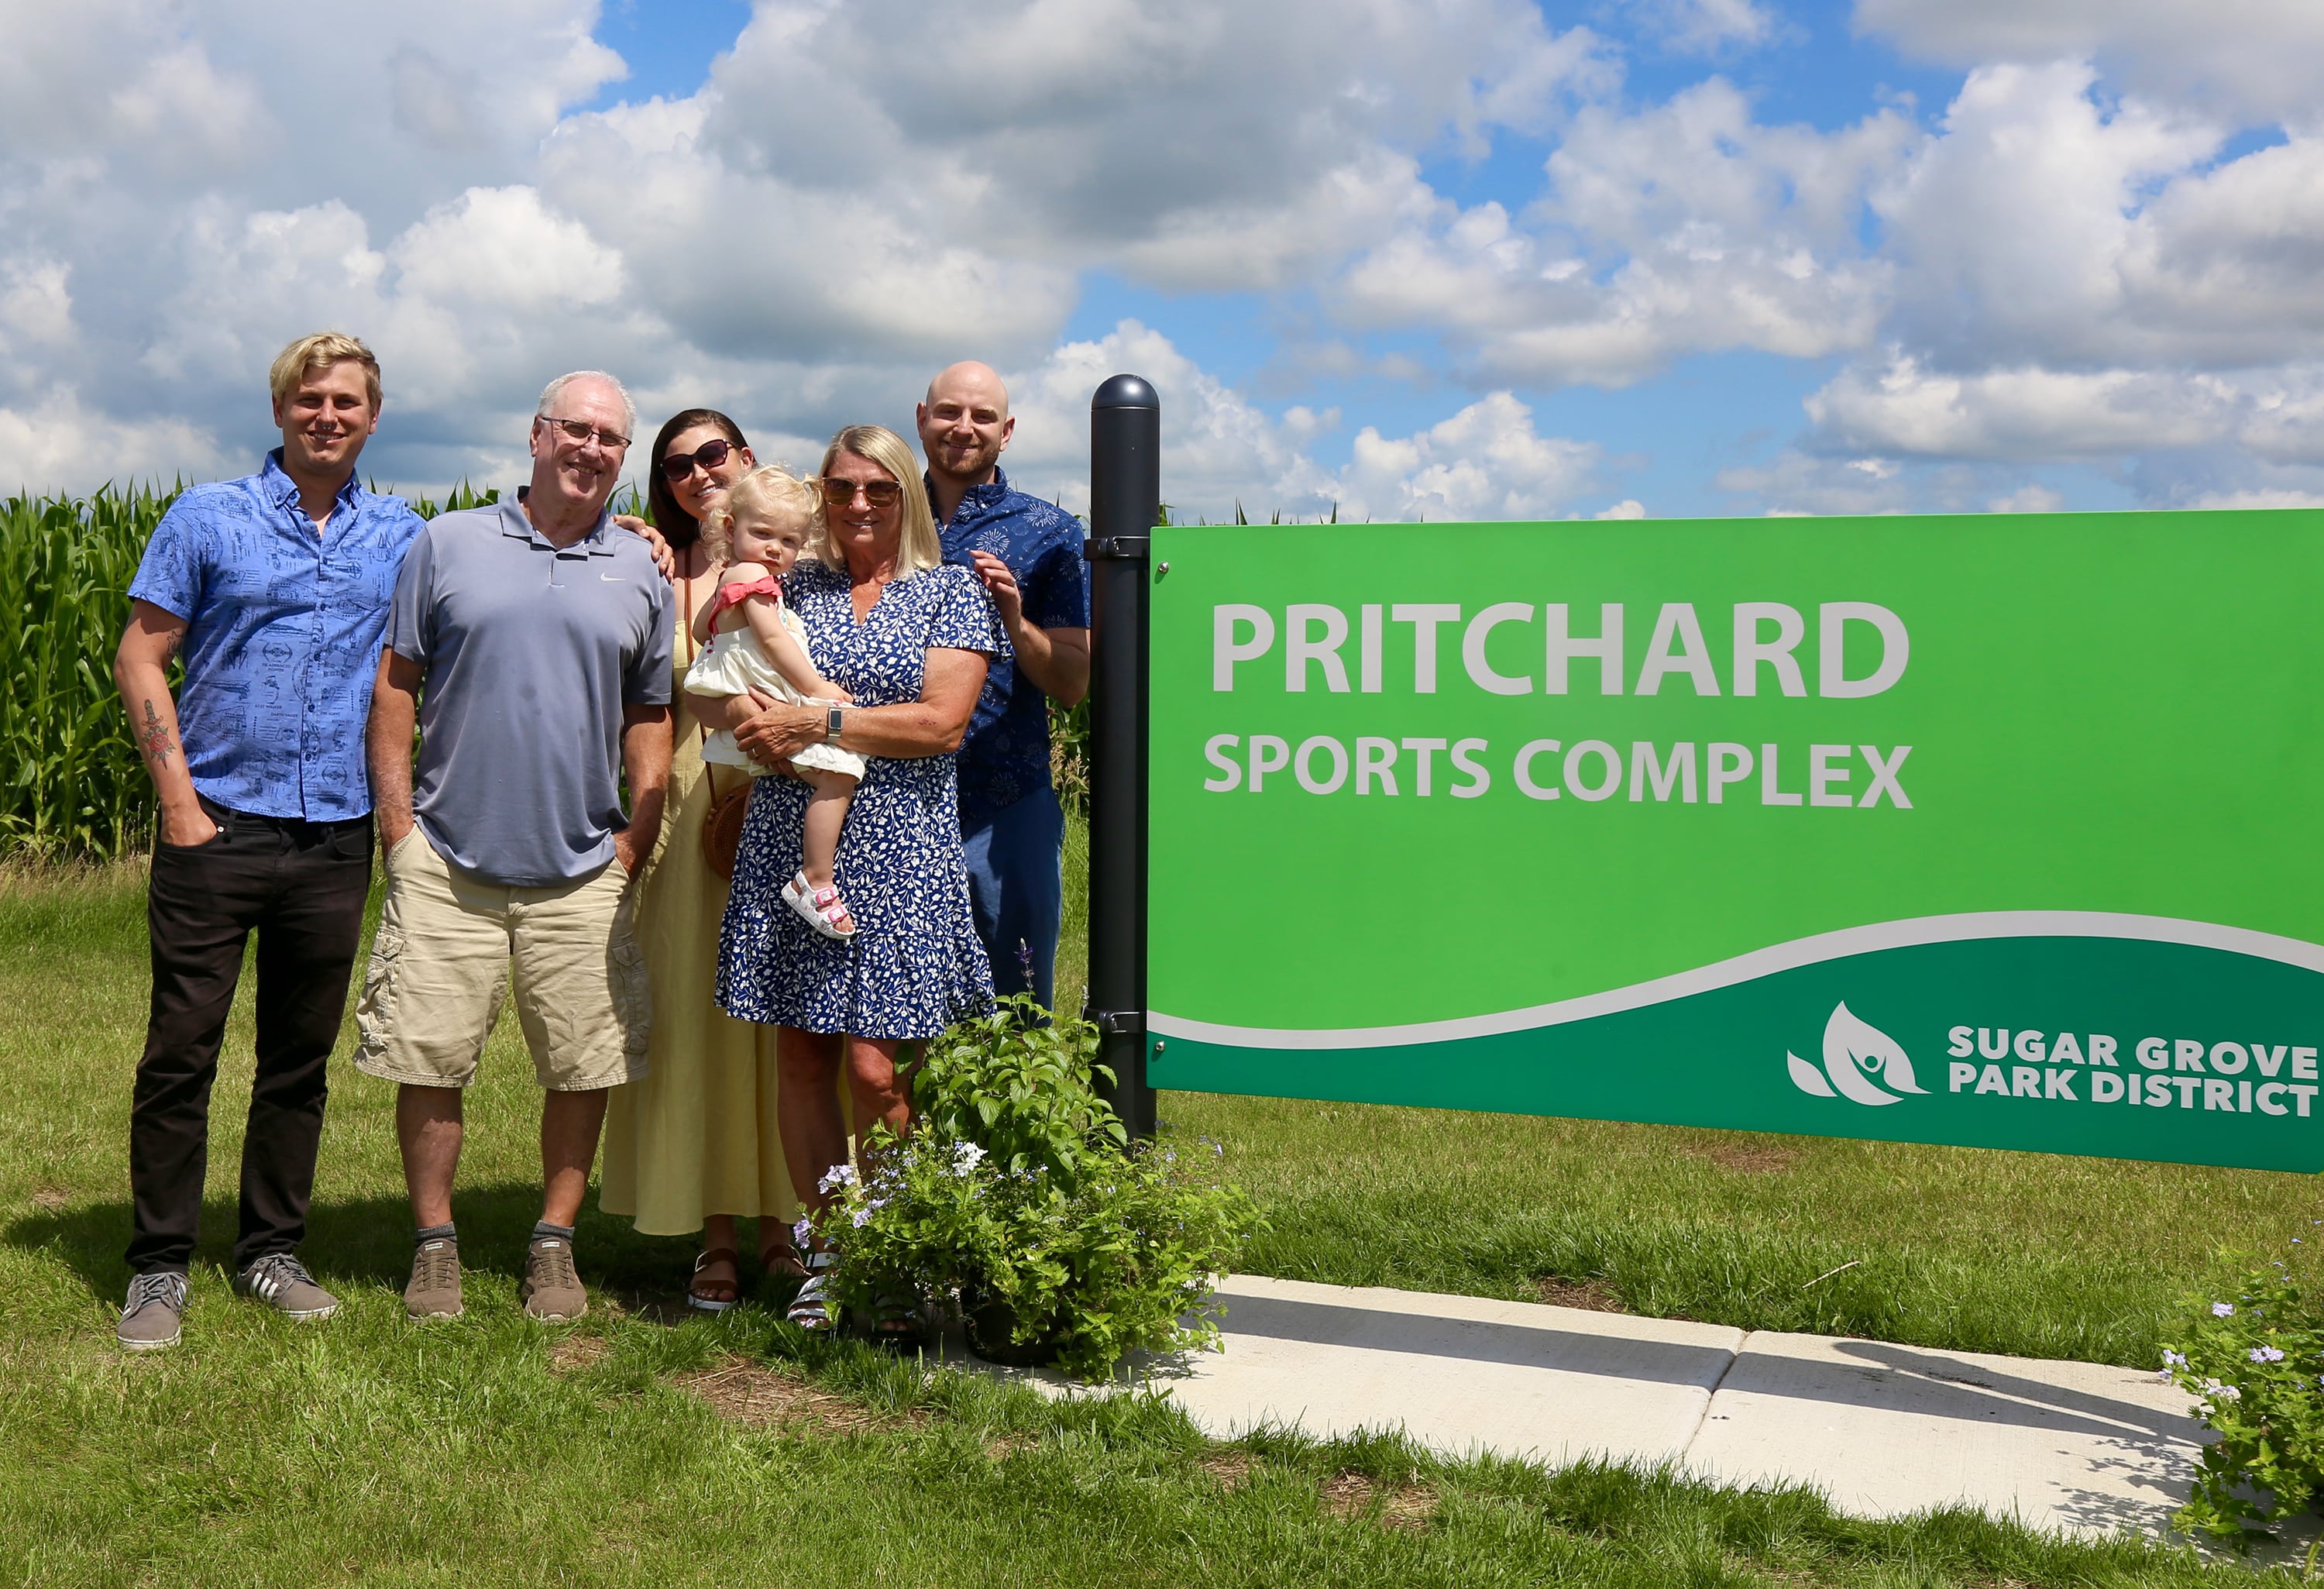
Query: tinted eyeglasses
x=677 y=465
x=880 y=493
x=582 y=430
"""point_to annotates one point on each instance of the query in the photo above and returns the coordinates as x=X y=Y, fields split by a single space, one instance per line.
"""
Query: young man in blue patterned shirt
x=276 y=587
x=1029 y=555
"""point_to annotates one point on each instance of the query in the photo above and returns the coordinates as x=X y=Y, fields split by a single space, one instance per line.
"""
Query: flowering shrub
x=1015 y=1197
x=1018 y=1085
x=2256 y=1365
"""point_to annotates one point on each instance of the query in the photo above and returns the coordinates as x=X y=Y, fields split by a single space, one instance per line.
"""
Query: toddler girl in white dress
x=754 y=644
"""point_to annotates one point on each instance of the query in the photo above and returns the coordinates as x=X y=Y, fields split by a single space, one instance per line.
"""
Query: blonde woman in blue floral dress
x=908 y=636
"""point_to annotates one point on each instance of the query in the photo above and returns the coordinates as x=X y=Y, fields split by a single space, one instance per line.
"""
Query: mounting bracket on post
x=1125 y=504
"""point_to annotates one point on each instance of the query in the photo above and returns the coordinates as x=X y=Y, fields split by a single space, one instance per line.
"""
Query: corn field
x=70 y=780
x=71 y=785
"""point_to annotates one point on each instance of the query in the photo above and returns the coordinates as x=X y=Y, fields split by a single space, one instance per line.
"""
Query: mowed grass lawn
x=640 y=1447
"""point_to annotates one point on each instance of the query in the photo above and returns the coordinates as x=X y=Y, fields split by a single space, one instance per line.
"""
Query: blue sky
x=1472 y=258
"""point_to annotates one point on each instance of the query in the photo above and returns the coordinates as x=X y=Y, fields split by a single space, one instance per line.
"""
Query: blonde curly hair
x=767 y=492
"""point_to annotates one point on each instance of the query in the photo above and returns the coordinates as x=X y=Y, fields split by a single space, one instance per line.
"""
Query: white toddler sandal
x=821 y=908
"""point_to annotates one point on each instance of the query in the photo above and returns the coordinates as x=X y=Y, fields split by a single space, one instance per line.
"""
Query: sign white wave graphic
x=1853 y=1050
x=1966 y=927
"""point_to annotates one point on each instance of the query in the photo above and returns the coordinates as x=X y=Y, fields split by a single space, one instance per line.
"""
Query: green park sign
x=1999 y=831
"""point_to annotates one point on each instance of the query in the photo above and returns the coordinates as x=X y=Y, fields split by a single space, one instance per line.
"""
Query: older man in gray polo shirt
x=542 y=635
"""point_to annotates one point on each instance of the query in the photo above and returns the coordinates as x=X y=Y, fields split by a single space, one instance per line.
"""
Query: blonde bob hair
x=315 y=353
x=768 y=491
x=878 y=444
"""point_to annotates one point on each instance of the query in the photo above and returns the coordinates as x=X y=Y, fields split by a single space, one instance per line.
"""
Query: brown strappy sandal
x=780 y=1259
x=703 y=1296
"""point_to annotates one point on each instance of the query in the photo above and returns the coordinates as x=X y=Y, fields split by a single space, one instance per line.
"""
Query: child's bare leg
x=826 y=814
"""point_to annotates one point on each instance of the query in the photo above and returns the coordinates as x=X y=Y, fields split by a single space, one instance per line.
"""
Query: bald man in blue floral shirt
x=1029 y=553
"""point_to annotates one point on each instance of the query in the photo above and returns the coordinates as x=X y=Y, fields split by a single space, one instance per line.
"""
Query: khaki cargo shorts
x=439 y=971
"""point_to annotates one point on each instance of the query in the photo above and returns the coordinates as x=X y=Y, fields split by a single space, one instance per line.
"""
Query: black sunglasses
x=677 y=465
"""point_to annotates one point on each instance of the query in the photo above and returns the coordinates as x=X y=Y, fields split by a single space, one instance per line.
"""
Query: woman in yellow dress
x=694 y=1147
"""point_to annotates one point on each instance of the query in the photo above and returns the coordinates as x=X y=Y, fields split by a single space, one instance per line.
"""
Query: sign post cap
x=1125 y=392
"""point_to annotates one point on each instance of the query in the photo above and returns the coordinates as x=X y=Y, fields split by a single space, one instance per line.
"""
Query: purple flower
x=2175 y=1359
x=2267 y=1354
x=2223 y=1310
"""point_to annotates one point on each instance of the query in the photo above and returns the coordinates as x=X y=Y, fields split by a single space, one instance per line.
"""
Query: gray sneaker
x=283 y=1284
x=434 y=1290
x=551 y=1291
x=151 y=1317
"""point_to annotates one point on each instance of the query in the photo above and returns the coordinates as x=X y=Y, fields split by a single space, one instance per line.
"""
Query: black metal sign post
x=1125 y=502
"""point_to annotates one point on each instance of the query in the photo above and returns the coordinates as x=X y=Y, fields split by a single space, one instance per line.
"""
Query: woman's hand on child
x=779 y=733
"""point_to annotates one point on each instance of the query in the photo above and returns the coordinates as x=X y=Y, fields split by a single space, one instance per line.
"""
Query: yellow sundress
x=698 y=1135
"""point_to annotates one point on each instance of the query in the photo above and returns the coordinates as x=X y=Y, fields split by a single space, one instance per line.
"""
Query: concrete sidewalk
x=1883 y=1430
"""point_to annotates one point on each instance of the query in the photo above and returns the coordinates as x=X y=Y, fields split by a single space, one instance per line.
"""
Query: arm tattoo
x=156 y=737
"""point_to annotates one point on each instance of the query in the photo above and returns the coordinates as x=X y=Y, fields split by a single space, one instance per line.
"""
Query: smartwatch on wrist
x=831 y=725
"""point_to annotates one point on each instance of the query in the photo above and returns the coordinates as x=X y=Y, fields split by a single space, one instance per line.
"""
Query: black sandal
x=896 y=1319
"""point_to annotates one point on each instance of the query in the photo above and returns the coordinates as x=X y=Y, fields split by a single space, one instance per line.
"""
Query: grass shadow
x=368 y=1239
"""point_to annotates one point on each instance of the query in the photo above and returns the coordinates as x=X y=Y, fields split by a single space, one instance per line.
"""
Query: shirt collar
x=281 y=489
x=984 y=498
x=597 y=543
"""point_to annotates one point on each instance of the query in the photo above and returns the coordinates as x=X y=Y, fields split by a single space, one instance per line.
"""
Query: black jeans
x=300 y=885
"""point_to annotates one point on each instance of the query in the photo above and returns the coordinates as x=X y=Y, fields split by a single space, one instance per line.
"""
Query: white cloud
x=2276 y=497
x=2031 y=413
x=58 y=445
x=2026 y=413
x=1217 y=447
x=1686 y=228
x=1219 y=450
x=1704 y=27
x=2029 y=498
x=504 y=248
x=1800 y=483
x=36 y=302
x=2254 y=58
x=1484 y=462
x=2016 y=233
x=1199 y=144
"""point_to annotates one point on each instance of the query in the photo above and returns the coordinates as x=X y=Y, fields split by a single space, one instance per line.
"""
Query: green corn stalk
x=72 y=785
x=70 y=780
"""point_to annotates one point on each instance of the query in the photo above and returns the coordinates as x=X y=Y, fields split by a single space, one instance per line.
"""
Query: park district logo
x=1858 y=1058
